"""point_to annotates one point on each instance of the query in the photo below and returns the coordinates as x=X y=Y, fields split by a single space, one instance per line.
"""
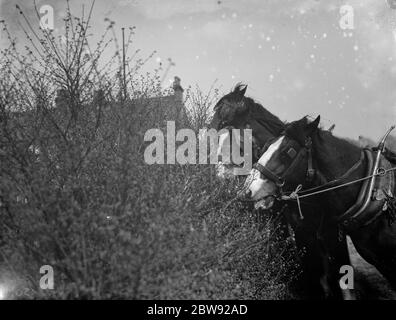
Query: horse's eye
x=291 y=153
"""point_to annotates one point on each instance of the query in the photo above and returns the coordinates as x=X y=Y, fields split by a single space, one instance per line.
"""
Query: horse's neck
x=335 y=156
x=265 y=125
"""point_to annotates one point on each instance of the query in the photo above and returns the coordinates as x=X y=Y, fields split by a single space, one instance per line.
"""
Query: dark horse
x=307 y=159
x=235 y=110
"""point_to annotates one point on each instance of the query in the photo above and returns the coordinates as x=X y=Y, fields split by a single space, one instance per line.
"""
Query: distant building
x=173 y=103
x=177 y=89
x=171 y=106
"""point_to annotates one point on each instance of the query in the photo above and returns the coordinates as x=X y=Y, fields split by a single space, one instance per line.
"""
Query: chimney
x=178 y=90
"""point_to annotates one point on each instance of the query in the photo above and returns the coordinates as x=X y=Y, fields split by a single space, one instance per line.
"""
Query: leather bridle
x=356 y=214
x=280 y=179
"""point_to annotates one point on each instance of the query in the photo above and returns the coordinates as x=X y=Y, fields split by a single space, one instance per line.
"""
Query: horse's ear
x=240 y=90
x=312 y=126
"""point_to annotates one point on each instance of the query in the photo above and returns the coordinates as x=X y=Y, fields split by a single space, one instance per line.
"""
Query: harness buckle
x=381 y=171
x=310 y=171
x=308 y=142
x=310 y=174
x=280 y=183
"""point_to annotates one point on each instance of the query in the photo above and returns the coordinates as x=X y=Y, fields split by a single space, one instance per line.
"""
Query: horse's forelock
x=296 y=130
x=238 y=87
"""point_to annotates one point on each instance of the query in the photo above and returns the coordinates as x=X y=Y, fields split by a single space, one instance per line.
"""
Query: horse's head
x=235 y=111
x=284 y=164
x=231 y=109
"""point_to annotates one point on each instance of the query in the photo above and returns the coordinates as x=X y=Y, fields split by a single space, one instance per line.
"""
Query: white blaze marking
x=221 y=169
x=270 y=151
x=222 y=139
x=260 y=187
x=225 y=167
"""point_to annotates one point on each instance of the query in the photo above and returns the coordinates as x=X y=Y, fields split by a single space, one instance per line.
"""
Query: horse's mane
x=264 y=117
x=251 y=111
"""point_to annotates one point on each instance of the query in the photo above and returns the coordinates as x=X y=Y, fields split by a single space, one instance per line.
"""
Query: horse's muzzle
x=265 y=203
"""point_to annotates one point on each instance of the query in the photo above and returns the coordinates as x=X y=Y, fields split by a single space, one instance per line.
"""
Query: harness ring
x=381 y=171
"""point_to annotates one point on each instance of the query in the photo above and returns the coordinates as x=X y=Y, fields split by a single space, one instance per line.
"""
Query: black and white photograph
x=197 y=154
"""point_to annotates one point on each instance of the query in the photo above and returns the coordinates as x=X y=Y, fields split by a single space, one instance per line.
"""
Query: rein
x=334 y=184
x=294 y=194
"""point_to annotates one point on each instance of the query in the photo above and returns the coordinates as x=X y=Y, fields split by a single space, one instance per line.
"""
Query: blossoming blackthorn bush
x=76 y=194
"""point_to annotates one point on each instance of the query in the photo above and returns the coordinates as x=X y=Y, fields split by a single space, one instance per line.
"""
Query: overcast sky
x=293 y=54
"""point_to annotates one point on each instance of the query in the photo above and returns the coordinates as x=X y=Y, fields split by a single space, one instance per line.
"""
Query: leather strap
x=337 y=181
x=280 y=180
x=310 y=171
x=269 y=174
